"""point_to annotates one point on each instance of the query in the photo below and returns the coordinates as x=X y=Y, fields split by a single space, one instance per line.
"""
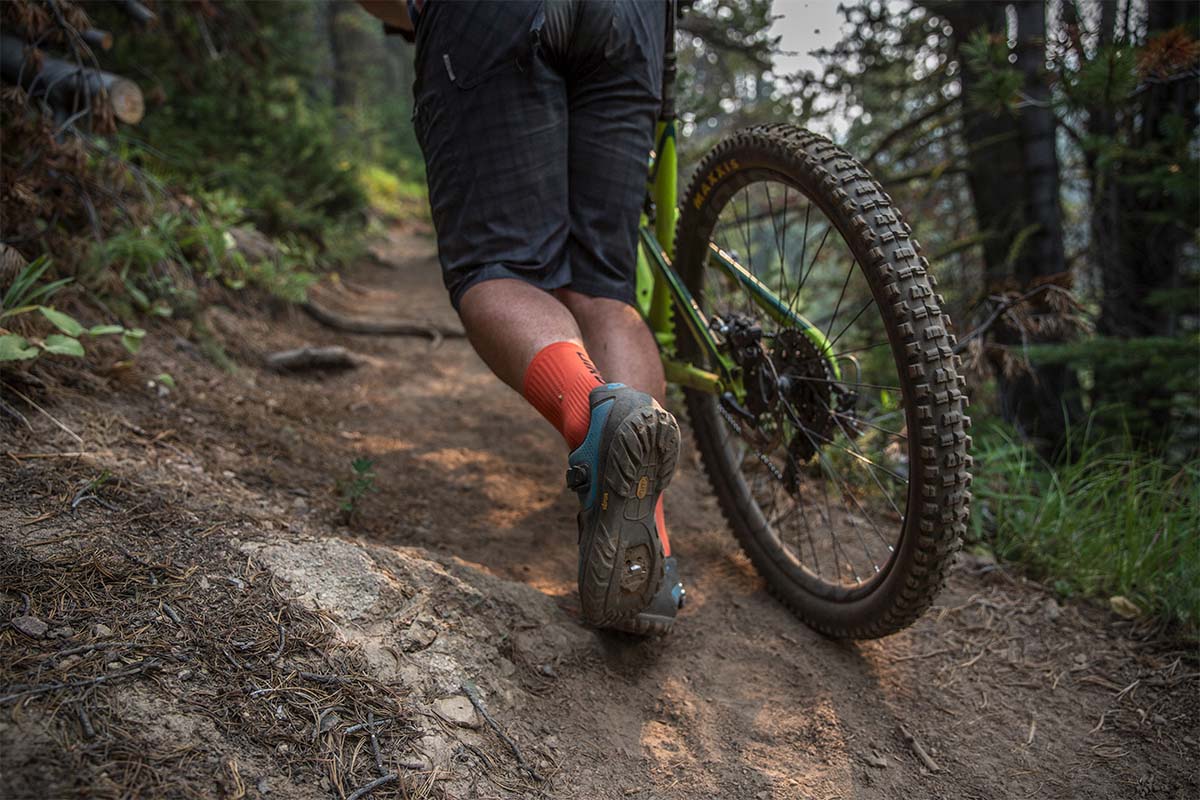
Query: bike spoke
x=869 y=423
x=788 y=479
x=841 y=296
x=862 y=349
x=845 y=383
x=853 y=320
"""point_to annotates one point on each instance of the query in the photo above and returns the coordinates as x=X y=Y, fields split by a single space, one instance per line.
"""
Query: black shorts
x=536 y=138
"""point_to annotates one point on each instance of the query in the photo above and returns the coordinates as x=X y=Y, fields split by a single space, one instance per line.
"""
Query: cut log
x=313 y=358
x=138 y=12
x=65 y=85
x=100 y=40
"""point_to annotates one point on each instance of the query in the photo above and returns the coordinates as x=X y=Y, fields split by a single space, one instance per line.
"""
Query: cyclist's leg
x=509 y=321
x=491 y=119
x=619 y=341
x=614 y=83
x=614 y=94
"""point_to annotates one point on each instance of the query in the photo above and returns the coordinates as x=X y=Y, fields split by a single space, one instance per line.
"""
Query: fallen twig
x=47 y=414
x=282 y=640
x=919 y=750
x=472 y=693
x=303 y=358
x=375 y=744
x=381 y=327
x=912 y=656
x=366 y=789
x=137 y=669
x=85 y=722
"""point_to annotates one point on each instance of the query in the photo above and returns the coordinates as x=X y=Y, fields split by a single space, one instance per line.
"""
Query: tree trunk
x=1138 y=245
x=1014 y=181
x=1043 y=254
x=342 y=49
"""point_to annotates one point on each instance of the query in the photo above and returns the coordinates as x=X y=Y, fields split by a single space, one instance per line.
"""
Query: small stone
x=420 y=634
x=204 y=584
x=263 y=786
x=876 y=760
x=1052 y=610
x=185 y=674
x=114 y=665
x=30 y=626
x=100 y=630
x=69 y=661
x=457 y=710
x=329 y=722
x=548 y=670
x=1123 y=607
x=282 y=748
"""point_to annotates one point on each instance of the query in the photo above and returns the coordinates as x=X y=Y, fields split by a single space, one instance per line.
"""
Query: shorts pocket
x=470 y=42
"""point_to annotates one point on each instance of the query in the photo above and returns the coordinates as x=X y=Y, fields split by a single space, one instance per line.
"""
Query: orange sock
x=557 y=383
x=662 y=527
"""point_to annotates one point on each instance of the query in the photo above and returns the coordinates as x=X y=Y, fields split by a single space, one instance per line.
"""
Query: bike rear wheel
x=844 y=472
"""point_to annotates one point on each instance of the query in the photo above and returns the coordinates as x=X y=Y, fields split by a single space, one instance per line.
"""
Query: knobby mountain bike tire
x=846 y=433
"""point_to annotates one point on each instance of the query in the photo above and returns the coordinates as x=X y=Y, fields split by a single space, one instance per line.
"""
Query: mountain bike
x=793 y=307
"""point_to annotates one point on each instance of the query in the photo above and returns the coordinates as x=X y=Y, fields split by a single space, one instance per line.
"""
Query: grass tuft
x=1114 y=521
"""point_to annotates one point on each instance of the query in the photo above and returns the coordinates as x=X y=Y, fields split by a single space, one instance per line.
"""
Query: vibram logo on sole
x=604 y=502
x=642 y=486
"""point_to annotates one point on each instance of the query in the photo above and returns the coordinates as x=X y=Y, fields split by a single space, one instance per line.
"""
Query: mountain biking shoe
x=623 y=465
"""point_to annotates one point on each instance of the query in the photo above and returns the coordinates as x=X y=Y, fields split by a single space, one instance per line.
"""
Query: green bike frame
x=661 y=293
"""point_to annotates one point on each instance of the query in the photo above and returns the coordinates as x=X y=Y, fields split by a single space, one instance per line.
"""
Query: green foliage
x=356 y=487
x=239 y=114
x=200 y=243
x=1114 y=521
x=21 y=297
x=1150 y=385
x=392 y=195
x=999 y=82
x=25 y=291
x=1106 y=79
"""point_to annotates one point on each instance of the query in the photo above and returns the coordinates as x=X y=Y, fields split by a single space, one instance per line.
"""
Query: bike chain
x=764 y=459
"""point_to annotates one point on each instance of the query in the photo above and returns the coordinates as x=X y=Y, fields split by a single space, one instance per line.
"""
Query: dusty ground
x=246 y=633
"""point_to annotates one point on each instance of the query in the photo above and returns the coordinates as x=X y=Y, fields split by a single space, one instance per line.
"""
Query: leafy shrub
x=24 y=296
x=239 y=114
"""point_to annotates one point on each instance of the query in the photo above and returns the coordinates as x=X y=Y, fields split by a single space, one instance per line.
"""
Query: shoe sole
x=622 y=566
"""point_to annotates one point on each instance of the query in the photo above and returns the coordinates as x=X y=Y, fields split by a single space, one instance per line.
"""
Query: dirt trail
x=1005 y=691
